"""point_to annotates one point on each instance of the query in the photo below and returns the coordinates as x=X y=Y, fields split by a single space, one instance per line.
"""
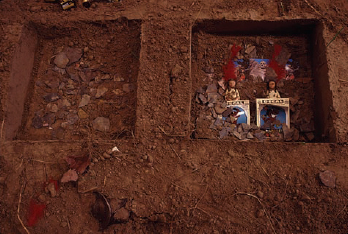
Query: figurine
x=231 y=93
x=272 y=91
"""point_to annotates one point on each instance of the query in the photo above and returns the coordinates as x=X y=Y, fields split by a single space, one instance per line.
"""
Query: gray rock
x=246 y=127
x=37 y=122
x=101 y=124
x=254 y=126
x=328 y=178
x=61 y=60
x=260 y=136
x=101 y=91
x=72 y=118
x=52 y=82
x=85 y=100
x=127 y=88
x=224 y=132
x=51 y=97
x=211 y=88
x=73 y=54
x=250 y=135
x=202 y=98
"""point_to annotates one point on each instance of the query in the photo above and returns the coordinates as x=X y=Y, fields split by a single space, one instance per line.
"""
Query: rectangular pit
x=82 y=82
x=309 y=91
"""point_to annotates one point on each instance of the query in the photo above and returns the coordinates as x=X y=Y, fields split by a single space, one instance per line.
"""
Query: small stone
x=310 y=136
x=73 y=54
x=246 y=127
x=171 y=140
x=72 y=118
x=52 y=190
x=237 y=134
x=328 y=178
x=118 y=92
x=52 y=107
x=260 y=213
x=101 y=91
x=127 y=88
x=231 y=153
x=249 y=49
x=85 y=100
x=260 y=136
x=82 y=114
x=250 y=135
x=61 y=60
x=42 y=198
x=90 y=57
x=175 y=72
x=63 y=103
x=121 y=215
x=37 y=122
x=240 y=128
x=260 y=194
x=63 y=224
x=51 y=97
x=101 y=124
x=106 y=155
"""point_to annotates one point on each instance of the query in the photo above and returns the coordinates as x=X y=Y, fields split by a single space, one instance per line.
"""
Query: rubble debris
x=61 y=60
x=101 y=124
x=70 y=175
x=328 y=178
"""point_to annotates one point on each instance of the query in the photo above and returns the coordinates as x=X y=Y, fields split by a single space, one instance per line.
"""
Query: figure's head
x=263 y=64
x=231 y=83
x=271 y=85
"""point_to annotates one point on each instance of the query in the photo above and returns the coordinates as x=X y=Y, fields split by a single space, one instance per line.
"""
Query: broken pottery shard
x=37 y=122
x=51 y=97
x=328 y=178
x=101 y=210
x=101 y=124
x=70 y=175
x=73 y=54
x=61 y=60
x=101 y=91
x=85 y=100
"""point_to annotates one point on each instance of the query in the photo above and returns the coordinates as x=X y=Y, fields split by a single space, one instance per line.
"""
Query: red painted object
x=229 y=69
x=36 y=211
x=279 y=70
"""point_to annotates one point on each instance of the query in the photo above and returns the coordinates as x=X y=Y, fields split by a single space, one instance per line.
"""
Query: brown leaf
x=78 y=163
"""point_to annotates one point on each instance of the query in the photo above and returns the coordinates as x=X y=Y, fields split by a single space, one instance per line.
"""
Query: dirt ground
x=76 y=84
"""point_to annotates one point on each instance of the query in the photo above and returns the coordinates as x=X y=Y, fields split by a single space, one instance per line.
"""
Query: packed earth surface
x=111 y=117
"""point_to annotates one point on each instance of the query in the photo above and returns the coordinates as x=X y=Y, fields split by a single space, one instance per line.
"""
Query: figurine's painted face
x=232 y=83
x=271 y=85
x=263 y=65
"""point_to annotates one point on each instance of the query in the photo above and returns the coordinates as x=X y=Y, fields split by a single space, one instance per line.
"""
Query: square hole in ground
x=295 y=47
x=84 y=82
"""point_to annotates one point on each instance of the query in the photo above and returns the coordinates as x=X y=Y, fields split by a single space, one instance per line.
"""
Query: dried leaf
x=70 y=175
x=78 y=163
x=36 y=211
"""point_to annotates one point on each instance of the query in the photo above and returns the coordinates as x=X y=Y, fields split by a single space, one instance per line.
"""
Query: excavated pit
x=308 y=91
x=75 y=82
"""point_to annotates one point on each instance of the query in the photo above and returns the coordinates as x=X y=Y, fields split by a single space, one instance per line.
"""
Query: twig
x=167 y=134
x=175 y=152
x=264 y=210
x=40 y=161
x=335 y=36
x=341 y=80
x=20 y=165
x=18 y=209
x=2 y=128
